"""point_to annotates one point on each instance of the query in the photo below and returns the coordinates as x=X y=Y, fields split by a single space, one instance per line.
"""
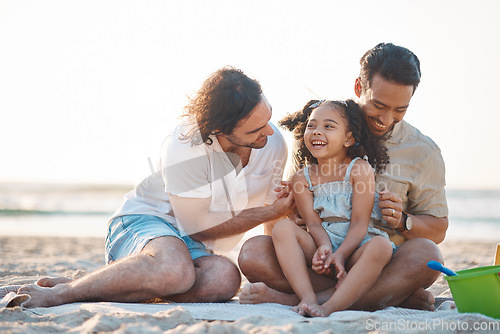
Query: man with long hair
x=216 y=180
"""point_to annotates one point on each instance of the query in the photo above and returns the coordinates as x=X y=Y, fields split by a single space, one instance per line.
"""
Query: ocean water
x=84 y=210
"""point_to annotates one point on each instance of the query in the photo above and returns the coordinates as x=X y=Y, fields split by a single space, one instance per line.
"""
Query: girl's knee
x=283 y=228
x=381 y=248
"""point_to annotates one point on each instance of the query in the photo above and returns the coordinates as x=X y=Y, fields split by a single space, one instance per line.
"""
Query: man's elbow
x=201 y=236
x=441 y=228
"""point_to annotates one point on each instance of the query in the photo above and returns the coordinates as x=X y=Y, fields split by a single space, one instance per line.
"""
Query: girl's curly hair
x=365 y=142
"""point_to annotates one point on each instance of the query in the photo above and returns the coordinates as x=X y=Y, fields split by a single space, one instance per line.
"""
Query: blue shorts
x=129 y=234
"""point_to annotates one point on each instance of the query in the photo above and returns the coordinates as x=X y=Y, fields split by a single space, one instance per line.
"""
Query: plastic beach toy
x=439 y=267
x=477 y=290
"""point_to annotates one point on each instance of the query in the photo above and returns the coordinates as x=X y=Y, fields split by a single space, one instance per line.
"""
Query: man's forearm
x=429 y=227
x=242 y=222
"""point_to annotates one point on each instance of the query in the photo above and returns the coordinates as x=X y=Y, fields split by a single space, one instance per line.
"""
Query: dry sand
x=25 y=259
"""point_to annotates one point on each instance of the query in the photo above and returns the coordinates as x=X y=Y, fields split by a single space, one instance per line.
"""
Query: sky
x=90 y=89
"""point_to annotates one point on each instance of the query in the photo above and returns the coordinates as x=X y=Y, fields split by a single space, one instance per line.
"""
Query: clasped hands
x=324 y=258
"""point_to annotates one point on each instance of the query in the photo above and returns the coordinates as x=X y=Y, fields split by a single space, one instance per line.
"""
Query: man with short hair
x=412 y=197
x=218 y=172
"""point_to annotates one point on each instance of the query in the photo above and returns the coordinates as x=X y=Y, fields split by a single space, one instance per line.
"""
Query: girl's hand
x=391 y=208
x=319 y=260
x=338 y=262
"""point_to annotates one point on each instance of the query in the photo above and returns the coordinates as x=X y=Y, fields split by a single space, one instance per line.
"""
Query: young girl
x=335 y=195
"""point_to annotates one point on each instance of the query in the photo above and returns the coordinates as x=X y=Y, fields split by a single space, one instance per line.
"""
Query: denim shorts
x=129 y=234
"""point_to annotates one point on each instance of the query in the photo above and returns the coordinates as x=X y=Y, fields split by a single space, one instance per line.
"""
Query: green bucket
x=477 y=290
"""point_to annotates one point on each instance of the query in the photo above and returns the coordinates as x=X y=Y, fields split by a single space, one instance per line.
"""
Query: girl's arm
x=305 y=205
x=363 y=198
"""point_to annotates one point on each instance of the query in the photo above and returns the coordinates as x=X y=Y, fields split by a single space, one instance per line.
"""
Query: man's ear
x=349 y=140
x=357 y=87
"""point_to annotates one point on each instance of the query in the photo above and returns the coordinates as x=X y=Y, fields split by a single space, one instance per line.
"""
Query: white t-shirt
x=203 y=171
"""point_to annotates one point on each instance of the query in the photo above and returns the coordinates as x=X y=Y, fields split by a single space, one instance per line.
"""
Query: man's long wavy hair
x=225 y=97
x=365 y=142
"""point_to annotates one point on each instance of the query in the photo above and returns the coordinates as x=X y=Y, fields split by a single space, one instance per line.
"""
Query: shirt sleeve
x=427 y=194
x=277 y=173
x=293 y=165
x=185 y=168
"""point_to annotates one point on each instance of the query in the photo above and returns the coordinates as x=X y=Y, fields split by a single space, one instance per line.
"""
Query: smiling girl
x=335 y=195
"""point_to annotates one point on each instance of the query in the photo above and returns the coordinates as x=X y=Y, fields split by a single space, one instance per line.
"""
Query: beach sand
x=25 y=259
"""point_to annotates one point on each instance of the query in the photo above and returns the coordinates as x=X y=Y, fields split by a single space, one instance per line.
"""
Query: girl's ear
x=349 y=140
x=357 y=87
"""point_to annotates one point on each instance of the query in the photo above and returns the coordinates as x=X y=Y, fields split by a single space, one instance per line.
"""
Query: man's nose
x=387 y=118
x=269 y=130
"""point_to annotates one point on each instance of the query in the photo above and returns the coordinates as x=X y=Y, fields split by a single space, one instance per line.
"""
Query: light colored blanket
x=232 y=316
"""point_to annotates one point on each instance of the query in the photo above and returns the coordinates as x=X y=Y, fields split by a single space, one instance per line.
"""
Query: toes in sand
x=257 y=293
x=40 y=296
x=49 y=282
x=420 y=300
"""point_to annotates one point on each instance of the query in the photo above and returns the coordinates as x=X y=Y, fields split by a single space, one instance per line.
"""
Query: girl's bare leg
x=293 y=246
x=365 y=265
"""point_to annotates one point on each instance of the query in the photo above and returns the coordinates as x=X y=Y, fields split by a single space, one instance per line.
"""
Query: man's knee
x=170 y=268
x=415 y=254
x=419 y=250
x=220 y=279
x=171 y=278
x=253 y=254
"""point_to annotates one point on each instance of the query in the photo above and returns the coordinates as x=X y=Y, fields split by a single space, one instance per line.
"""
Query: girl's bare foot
x=257 y=293
x=49 y=282
x=315 y=310
x=300 y=309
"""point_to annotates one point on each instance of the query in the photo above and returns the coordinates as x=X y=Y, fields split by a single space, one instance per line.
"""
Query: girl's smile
x=318 y=144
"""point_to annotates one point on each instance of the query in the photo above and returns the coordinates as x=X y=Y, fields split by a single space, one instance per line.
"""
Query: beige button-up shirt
x=416 y=173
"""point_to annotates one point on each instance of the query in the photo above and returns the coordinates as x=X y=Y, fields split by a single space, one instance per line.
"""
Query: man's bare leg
x=217 y=280
x=163 y=268
x=401 y=282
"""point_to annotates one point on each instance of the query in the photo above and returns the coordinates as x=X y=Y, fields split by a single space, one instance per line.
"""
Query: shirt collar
x=397 y=134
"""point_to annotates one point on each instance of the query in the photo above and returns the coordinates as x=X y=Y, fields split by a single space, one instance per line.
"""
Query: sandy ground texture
x=25 y=259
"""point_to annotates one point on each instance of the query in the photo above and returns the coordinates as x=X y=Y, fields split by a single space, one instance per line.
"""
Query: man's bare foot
x=420 y=300
x=49 y=282
x=257 y=293
x=314 y=310
x=42 y=297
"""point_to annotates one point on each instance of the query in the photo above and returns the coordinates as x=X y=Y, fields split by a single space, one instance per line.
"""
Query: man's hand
x=284 y=205
x=284 y=190
x=391 y=208
x=297 y=219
